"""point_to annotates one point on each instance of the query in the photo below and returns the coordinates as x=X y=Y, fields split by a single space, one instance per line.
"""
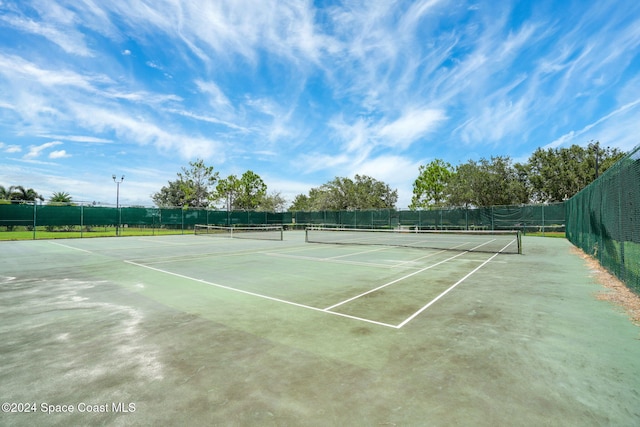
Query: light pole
x=118 y=202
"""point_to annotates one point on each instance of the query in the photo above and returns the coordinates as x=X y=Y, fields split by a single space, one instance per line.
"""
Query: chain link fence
x=604 y=219
x=87 y=220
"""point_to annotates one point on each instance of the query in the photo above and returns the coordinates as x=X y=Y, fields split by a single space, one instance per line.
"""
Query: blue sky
x=301 y=92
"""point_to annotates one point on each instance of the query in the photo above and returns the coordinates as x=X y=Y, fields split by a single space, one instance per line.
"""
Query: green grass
x=98 y=232
x=547 y=234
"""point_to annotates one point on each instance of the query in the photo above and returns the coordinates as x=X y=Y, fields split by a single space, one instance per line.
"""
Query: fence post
x=621 y=237
x=34 y=220
x=492 y=220
x=466 y=217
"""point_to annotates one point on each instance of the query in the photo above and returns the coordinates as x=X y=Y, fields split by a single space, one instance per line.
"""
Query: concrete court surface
x=89 y=339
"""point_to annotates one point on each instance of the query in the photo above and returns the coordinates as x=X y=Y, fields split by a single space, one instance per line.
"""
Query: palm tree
x=5 y=193
x=60 y=197
x=19 y=194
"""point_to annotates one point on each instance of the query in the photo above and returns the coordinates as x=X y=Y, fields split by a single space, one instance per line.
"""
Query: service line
x=393 y=281
x=229 y=288
x=414 y=315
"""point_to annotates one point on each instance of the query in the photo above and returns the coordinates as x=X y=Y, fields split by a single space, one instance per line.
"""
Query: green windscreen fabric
x=604 y=219
x=16 y=215
x=525 y=218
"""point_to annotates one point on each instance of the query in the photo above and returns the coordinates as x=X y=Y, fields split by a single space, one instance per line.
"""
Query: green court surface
x=200 y=330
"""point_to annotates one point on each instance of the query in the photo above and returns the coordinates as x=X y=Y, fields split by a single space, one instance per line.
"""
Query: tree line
x=549 y=175
x=199 y=186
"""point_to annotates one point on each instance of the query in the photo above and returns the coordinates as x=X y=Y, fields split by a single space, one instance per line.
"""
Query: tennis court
x=214 y=330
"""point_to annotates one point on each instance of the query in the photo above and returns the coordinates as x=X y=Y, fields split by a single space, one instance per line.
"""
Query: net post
x=519 y=239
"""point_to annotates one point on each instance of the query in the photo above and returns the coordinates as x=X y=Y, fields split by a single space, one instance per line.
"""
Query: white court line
x=360 y=253
x=69 y=247
x=260 y=295
x=327 y=310
x=221 y=254
x=393 y=281
x=332 y=260
x=413 y=274
x=414 y=315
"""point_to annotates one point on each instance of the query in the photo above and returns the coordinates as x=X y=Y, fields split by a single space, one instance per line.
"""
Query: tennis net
x=254 y=233
x=465 y=241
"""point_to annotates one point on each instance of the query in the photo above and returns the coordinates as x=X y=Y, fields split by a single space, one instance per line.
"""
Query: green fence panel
x=348 y=218
x=278 y=218
x=302 y=217
x=526 y=218
x=99 y=216
x=171 y=218
x=409 y=218
x=149 y=217
x=217 y=218
x=12 y=215
x=364 y=219
x=256 y=218
x=191 y=217
x=51 y=215
x=238 y=218
x=604 y=219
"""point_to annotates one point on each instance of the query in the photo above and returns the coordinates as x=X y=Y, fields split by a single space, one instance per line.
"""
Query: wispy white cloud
x=13 y=149
x=624 y=133
x=69 y=40
x=59 y=154
x=138 y=131
x=79 y=138
x=218 y=99
x=36 y=150
x=411 y=126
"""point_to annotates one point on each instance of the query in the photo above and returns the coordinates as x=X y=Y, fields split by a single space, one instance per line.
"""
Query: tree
x=193 y=188
x=487 y=183
x=170 y=195
x=60 y=197
x=273 y=202
x=5 y=193
x=301 y=202
x=555 y=175
x=373 y=194
x=500 y=183
x=252 y=190
x=363 y=192
x=247 y=193
x=227 y=190
x=430 y=188
x=20 y=194
x=460 y=189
